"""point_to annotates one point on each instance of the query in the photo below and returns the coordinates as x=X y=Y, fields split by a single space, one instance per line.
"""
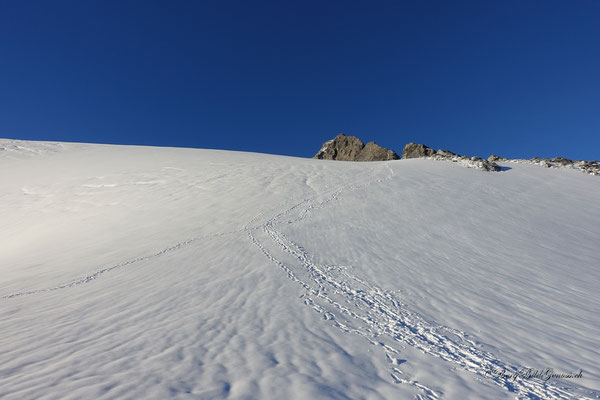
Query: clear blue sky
x=515 y=78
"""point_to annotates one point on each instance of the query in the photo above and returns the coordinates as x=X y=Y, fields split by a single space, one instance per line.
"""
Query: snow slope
x=137 y=272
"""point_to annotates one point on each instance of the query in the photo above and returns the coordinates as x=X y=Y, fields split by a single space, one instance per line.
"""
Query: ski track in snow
x=358 y=307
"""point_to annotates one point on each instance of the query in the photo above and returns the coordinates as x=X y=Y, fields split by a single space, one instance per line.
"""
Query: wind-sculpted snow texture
x=132 y=272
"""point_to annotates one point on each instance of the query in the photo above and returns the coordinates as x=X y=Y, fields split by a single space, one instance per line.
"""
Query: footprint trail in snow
x=359 y=307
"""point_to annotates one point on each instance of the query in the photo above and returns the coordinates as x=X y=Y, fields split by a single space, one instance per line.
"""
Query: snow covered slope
x=156 y=273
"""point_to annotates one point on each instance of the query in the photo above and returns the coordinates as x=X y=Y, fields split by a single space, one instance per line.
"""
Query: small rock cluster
x=351 y=148
x=414 y=150
x=588 y=167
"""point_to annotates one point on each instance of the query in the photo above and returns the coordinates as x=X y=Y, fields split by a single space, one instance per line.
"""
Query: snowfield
x=156 y=273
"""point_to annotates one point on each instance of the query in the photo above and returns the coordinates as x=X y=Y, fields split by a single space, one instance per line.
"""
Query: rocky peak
x=415 y=150
x=351 y=148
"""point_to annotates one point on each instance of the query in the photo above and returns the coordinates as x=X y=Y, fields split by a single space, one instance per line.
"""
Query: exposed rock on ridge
x=374 y=152
x=415 y=150
x=351 y=148
x=588 y=167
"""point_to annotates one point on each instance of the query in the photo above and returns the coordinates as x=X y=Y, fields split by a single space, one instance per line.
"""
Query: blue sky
x=515 y=78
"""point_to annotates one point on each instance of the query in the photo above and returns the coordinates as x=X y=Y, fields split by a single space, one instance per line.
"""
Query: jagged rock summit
x=351 y=148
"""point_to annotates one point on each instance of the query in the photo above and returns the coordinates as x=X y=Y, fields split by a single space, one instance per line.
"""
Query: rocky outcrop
x=479 y=163
x=470 y=162
x=588 y=167
x=414 y=150
x=494 y=158
x=341 y=148
x=374 y=152
x=351 y=148
x=446 y=153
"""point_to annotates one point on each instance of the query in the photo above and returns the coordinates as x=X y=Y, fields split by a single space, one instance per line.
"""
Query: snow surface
x=138 y=272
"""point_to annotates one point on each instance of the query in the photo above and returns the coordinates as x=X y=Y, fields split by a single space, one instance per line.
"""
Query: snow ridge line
x=371 y=312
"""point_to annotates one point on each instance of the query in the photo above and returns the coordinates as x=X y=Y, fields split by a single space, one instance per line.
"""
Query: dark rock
x=374 y=152
x=342 y=148
x=414 y=150
x=351 y=148
x=489 y=166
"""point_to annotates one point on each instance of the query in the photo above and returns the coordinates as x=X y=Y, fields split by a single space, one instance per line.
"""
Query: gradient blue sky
x=515 y=78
